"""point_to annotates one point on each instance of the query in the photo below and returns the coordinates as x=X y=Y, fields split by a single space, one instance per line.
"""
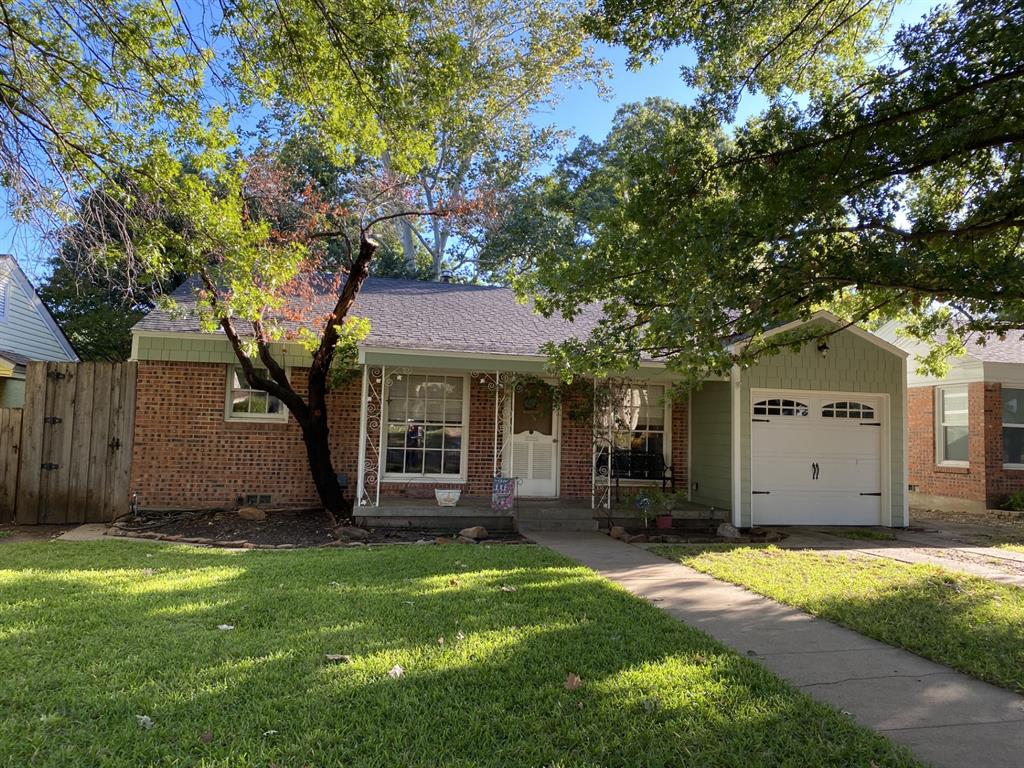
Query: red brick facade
x=984 y=481
x=186 y=455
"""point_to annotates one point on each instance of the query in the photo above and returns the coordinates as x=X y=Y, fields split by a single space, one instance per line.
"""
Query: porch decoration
x=447 y=497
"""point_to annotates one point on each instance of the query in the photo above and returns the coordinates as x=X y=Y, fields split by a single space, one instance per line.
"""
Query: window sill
x=415 y=479
x=1014 y=467
x=954 y=469
x=245 y=422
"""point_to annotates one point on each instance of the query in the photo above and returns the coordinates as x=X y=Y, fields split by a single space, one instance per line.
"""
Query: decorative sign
x=503 y=493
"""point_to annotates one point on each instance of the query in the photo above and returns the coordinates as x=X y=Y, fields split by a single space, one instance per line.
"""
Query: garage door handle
x=878 y=493
x=760 y=493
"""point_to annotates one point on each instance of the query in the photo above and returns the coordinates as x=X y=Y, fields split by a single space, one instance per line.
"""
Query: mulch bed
x=282 y=529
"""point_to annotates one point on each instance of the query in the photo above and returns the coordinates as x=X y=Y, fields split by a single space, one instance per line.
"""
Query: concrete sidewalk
x=946 y=718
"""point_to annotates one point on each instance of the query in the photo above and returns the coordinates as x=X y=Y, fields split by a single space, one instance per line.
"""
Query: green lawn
x=966 y=622
x=1012 y=547
x=94 y=635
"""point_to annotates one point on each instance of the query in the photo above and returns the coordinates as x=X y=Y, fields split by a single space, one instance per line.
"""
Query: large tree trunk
x=315 y=436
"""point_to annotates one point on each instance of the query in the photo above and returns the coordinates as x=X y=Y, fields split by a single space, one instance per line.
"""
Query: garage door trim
x=885 y=449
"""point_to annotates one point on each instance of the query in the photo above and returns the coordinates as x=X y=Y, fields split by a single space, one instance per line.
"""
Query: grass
x=966 y=622
x=5 y=534
x=94 y=635
x=863 y=533
x=1012 y=547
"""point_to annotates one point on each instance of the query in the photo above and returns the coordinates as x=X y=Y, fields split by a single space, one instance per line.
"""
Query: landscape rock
x=617 y=532
x=728 y=531
x=475 y=532
x=466 y=540
x=640 y=538
x=351 y=533
x=251 y=513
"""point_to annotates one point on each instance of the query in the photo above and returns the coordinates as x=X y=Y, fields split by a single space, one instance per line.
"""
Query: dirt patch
x=981 y=528
x=281 y=528
x=14 y=534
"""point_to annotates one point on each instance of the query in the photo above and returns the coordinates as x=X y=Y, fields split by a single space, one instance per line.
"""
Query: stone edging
x=171 y=538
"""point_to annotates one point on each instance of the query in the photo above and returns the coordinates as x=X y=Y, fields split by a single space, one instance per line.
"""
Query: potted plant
x=656 y=504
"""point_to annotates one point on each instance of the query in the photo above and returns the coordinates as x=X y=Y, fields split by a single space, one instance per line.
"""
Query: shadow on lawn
x=121 y=641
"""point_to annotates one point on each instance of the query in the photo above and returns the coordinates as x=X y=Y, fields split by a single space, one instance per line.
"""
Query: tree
x=515 y=59
x=898 y=198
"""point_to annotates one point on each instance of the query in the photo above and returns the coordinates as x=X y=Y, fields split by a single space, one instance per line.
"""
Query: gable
x=26 y=326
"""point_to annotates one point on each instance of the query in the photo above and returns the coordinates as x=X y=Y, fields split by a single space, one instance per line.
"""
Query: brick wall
x=187 y=455
x=984 y=480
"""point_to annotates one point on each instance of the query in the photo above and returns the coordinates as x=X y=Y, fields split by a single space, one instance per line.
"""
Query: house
x=27 y=332
x=966 y=430
x=450 y=393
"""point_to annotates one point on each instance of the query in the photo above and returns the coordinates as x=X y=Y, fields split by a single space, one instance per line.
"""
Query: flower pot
x=447 y=497
x=664 y=522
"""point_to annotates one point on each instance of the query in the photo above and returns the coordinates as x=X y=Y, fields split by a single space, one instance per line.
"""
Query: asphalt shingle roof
x=417 y=315
x=996 y=350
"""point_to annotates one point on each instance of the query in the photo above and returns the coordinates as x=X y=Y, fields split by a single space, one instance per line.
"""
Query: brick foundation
x=984 y=482
x=186 y=455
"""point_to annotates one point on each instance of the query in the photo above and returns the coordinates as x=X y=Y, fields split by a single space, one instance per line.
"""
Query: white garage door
x=816 y=459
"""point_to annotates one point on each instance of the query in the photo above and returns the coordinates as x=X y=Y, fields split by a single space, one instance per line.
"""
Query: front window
x=951 y=425
x=425 y=426
x=248 y=404
x=636 y=421
x=1013 y=426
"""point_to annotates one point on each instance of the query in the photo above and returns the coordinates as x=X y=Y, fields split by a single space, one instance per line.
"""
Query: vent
x=255 y=499
x=540 y=463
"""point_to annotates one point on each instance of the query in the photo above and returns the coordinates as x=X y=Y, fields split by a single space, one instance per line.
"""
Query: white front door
x=534 y=443
x=816 y=459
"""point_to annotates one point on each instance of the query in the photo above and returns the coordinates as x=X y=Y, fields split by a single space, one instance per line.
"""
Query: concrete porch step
x=525 y=526
x=554 y=514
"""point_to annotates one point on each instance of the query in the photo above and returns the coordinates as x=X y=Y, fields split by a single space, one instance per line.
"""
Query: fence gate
x=76 y=442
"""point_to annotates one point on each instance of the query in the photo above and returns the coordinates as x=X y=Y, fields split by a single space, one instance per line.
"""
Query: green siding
x=711 y=445
x=12 y=393
x=853 y=364
x=207 y=349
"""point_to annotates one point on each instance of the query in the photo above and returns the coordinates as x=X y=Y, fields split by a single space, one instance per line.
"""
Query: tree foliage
x=899 y=198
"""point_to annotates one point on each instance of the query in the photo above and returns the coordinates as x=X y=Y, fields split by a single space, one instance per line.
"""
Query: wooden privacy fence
x=71 y=444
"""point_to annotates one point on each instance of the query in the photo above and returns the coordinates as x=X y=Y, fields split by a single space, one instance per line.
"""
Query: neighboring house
x=966 y=430
x=27 y=332
x=439 y=401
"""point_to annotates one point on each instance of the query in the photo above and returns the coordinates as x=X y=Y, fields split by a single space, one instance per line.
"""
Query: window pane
x=257 y=402
x=413 y=461
x=240 y=402
x=1013 y=445
x=397 y=410
x=453 y=411
x=452 y=461
x=396 y=435
x=274 y=405
x=433 y=437
x=432 y=462
x=395 y=461
x=434 y=410
x=453 y=387
x=453 y=438
x=433 y=389
x=656 y=443
x=955 y=440
x=954 y=407
x=1013 y=406
x=414 y=436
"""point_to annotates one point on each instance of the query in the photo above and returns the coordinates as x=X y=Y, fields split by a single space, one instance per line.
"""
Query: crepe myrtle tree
x=255 y=236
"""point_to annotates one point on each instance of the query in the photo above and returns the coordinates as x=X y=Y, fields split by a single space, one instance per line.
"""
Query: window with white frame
x=426 y=426
x=951 y=440
x=637 y=421
x=1013 y=427
x=248 y=404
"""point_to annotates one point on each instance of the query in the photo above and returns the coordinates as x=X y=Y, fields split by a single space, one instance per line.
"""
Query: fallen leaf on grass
x=206 y=737
x=338 y=658
x=225 y=627
x=396 y=671
x=460 y=636
x=145 y=721
x=453 y=582
x=271 y=732
x=440 y=641
x=572 y=681
x=507 y=588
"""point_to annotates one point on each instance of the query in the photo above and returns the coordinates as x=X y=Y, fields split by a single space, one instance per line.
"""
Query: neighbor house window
x=1013 y=426
x=248 y=404
x=426 y=426
x=951 y=425
x=637 y=423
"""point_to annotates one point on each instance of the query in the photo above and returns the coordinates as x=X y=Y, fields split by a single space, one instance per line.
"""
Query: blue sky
x=580 y=111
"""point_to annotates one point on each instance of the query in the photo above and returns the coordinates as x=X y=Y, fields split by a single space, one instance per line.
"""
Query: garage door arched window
x=847 y=410
x=780 y=407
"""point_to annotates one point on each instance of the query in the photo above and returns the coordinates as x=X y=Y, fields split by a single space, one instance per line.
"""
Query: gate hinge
x=55 y=375
x=50 y=465
x=52 y=419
